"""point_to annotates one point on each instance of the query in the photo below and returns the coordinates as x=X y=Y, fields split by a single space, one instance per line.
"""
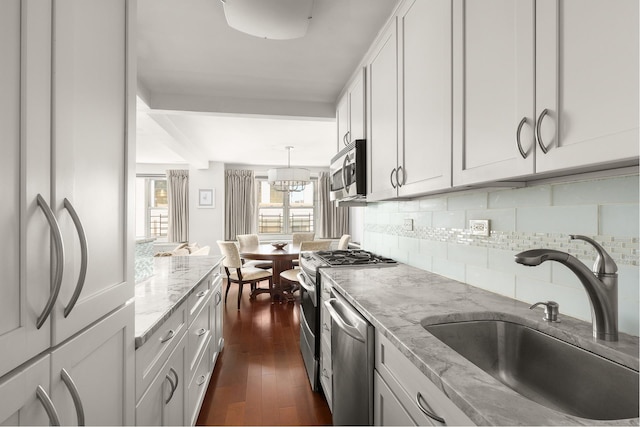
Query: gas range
x=311 y=261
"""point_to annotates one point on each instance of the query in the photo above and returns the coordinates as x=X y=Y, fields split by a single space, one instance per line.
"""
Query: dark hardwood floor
x=260 y=378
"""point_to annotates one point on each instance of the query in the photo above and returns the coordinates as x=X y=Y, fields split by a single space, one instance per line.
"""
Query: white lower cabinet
x=326 y=369
x=417 y=399
x=23 y=393
x=165 y=401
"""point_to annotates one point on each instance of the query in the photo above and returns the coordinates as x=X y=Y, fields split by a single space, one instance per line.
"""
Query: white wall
x=539 y=216
x=207 y=225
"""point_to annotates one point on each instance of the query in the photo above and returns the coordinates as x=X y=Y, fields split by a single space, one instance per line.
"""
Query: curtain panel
x=240 y=199
x=178 y=200
x=333 y=221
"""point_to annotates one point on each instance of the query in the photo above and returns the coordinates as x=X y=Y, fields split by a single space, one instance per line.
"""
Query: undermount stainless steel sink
x=544 y=369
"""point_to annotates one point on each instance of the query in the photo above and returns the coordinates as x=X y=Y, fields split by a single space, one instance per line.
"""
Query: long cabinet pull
x=59 y=247
x=83 y=256
x=218 y=297
x=169 y=335
x=518 y=141
x=173 y=388
x=540 y=143
x=427 y=412
x=398 y=180
x=44 y=398
x=75 y=395
x=393 y=172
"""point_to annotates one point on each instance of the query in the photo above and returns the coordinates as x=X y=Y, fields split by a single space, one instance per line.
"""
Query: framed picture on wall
x=206 y=198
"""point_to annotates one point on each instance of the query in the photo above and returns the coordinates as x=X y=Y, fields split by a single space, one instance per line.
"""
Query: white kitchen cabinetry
x=350 y=112
x=493 y=90
x=217 y=322
x=587 y=81
x=424 y=72
x=165 y=401
x=416 y=396
x=382 y=116
x=543 y=87
x=410 y=103
x=99 y=364
x=326 y=371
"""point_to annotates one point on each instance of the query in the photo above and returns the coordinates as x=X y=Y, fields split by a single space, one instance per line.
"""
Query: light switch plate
x=479 y=227
x=408 y=224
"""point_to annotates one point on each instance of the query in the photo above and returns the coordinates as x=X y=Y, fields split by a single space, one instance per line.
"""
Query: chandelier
x=288 y=179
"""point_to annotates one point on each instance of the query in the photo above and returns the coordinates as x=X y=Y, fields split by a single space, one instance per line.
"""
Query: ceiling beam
x=179 y=143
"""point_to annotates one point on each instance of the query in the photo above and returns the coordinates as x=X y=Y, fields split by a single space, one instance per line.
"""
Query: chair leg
x=227 y=292
x=240 y=294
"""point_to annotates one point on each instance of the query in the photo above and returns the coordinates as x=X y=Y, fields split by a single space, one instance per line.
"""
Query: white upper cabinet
x=382 y=117
x=350 y=112
x=424 y=32
x=587 y=82
x=89 y=147
x=493 y=92
x=25 y=44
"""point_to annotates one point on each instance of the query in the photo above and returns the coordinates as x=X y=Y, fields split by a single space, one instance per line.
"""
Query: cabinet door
x=382 y=150
x=587 y=81
x=164 y=402
x=387 y=410
x=21 y=405
x=424 y=32
x=357 y=108
x=100 y=363
x=342 y=119
x=493 y=90
x=25 y=46
x=89 y=146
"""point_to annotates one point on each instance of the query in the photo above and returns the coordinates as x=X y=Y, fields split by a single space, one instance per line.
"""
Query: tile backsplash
x=539 y=216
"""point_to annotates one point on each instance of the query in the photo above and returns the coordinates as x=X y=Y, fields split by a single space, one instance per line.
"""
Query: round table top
x=266 y=251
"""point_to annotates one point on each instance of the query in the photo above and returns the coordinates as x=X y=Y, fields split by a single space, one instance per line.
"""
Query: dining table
x=281 y=258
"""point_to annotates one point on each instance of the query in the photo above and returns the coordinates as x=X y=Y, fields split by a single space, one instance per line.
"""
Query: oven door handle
x=352 y=331
x=303 y=282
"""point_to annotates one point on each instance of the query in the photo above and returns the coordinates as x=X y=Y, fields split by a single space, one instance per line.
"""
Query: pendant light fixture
x=269 y=19
x=288 y=179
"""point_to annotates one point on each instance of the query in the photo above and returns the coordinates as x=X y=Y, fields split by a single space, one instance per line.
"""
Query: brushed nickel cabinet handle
x=427 y=412
x=518 y=141
x=75 y=395
x=169 y=335
x=201 y=332
x=393 y=172
x=201 y=380
x=83 y=256
x=201 y=294
x=44 y=398
x=59 y=248
x=398 y=180
x=173 y=388
x=540 y=143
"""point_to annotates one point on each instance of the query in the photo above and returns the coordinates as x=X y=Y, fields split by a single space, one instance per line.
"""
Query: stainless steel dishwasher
x=352 y=353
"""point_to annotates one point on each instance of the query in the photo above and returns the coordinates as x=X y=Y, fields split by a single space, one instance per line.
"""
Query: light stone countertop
x=157 y=297
x=396 y=299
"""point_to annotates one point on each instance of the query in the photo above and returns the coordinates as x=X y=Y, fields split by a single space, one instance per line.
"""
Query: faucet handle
x=551 y=310
x=604 y=264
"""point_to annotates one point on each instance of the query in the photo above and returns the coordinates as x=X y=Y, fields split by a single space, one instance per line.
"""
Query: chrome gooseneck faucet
x=601 y=283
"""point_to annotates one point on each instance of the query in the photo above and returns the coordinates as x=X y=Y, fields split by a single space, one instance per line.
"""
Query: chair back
x=231 y=254
x=298 y=238
x=315 y=245
x=344 y=241
x=247 y=241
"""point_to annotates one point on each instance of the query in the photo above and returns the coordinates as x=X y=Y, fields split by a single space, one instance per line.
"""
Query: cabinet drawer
x=199 y=335
x=154 y=353
x=198 y=297
x=410 y=385
x=325 y=327
x=198 y=384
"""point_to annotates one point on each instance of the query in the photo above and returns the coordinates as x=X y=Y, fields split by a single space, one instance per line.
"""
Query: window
x=285 y=213
x=152 y=210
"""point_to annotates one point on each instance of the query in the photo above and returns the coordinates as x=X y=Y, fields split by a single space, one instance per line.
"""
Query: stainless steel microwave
x=349 y=173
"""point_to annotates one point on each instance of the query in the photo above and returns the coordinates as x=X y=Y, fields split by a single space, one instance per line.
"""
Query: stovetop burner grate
x=352 y=257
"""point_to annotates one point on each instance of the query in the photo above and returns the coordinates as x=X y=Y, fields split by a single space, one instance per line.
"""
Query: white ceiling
x=210 y=93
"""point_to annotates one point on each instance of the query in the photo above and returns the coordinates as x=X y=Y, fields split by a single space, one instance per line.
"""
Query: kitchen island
x=397 y=299
x=178 y=337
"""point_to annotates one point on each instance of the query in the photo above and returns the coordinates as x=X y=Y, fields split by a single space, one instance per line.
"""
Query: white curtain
x=240 y=211
x=333 y=221
x=178 y=200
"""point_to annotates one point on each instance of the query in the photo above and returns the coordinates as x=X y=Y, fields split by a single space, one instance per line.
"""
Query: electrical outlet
x=408 y=224
x=479 y=227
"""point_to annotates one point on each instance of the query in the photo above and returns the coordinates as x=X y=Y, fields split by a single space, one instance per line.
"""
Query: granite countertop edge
x=406 y=296
x=180 y=282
